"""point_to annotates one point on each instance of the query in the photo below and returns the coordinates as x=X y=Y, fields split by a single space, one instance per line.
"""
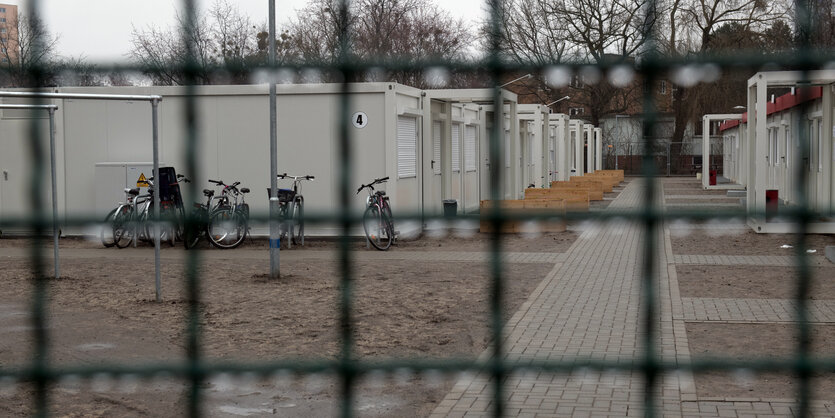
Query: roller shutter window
x=776 y=147
x=456 y=147
x=436 y=147
x=820 y=145
x=788 y=145
x=406 y=146
x=507 y=149
x=469 y=148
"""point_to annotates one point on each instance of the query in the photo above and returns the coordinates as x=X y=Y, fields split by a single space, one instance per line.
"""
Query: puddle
x=245 y=412
x=95 y=346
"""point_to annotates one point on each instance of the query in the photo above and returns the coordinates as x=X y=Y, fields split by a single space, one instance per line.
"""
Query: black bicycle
x=197 y=225
x=377 y=220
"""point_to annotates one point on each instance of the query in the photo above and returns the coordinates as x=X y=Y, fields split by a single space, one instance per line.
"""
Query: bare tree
x=25 y=45
x=220 y=37
x=700 y=21
x=545 y=32
x=395 y=31
x=316 y=32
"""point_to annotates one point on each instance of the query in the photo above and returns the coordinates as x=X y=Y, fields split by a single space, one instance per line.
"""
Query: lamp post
x=558 y=100
x=517 y=79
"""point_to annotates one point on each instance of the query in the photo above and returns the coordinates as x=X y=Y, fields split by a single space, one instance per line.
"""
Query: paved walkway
x=589 y=306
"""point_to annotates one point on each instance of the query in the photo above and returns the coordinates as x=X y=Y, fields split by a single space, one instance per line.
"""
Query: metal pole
x=54 y=191
x=156 y=202
x=275 y=245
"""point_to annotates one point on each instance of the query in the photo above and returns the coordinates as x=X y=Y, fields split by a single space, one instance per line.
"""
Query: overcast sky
x=99 y=30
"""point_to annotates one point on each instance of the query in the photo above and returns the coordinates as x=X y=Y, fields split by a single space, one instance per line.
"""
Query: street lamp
x=558 y=100
x=517 y=79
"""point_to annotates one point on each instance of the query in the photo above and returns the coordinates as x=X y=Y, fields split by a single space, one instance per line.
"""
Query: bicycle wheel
x=377 y=228
x=193 y=229
x=168 y=225
x=124 y=228
x=297 y=223
x=227 y=229
x=106 y=232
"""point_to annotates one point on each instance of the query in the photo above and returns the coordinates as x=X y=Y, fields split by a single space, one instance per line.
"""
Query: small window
x=436 y=147
x=507 y=149
x=788 y=145
x=2 y=20
x=820 y=145
x=456 y=147
x=576 y=111
x=406 y=146
x=2 y=10
x=2 y=30
x=577 y=81
x=469 y=148
x=662 y=87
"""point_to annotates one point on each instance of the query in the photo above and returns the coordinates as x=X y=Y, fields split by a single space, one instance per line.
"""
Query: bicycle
x=128 y=219
x=137 y=208
x=199 y=226
x=229 y=221
x=291 y=210
x=377 y=220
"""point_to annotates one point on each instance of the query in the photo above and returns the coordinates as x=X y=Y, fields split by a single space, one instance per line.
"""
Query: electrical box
x=111 y=180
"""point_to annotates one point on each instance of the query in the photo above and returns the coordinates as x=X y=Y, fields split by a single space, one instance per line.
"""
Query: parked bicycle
x=377 y=220
x=130 y=220
x=291 y=210
x=229 y=219
x=199 y=221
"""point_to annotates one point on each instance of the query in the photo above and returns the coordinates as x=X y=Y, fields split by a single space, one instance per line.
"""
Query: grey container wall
x=15 y=165
x=233 y=142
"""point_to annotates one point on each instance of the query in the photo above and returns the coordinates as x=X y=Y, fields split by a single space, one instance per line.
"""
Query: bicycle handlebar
x=371 y=185
x=285 y=175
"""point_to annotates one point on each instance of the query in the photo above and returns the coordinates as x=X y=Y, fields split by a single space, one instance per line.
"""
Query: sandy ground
x=748 y=340
x=102 y=312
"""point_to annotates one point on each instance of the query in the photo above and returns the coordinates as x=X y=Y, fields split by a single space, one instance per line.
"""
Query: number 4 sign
x=359 y=119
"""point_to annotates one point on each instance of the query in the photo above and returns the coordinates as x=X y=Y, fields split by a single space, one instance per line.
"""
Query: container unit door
x=508 y=178
x=455 y=155
x=552 y=156
x=435 y=185
x=471 y=186
x=811 y=163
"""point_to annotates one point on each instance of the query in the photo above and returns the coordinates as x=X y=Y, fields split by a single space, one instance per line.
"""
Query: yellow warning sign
x=141 y=181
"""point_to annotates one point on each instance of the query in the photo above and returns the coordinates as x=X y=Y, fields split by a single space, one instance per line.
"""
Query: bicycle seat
x=208 y=193
x=381 y=192
x=245 y=190
x=133 y=192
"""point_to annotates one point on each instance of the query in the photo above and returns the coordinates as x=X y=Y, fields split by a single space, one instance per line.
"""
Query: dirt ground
x=739 y=342
x=752 y=282
x=738 y=241
x=102 y=312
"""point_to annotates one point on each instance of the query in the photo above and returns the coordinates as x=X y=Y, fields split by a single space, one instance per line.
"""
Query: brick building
x=8 y=33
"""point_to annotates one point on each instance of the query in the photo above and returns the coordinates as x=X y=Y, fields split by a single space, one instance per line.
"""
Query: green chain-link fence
x=347 y=367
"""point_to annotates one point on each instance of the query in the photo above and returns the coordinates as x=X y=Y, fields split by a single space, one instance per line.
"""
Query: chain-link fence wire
x=197 y=368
